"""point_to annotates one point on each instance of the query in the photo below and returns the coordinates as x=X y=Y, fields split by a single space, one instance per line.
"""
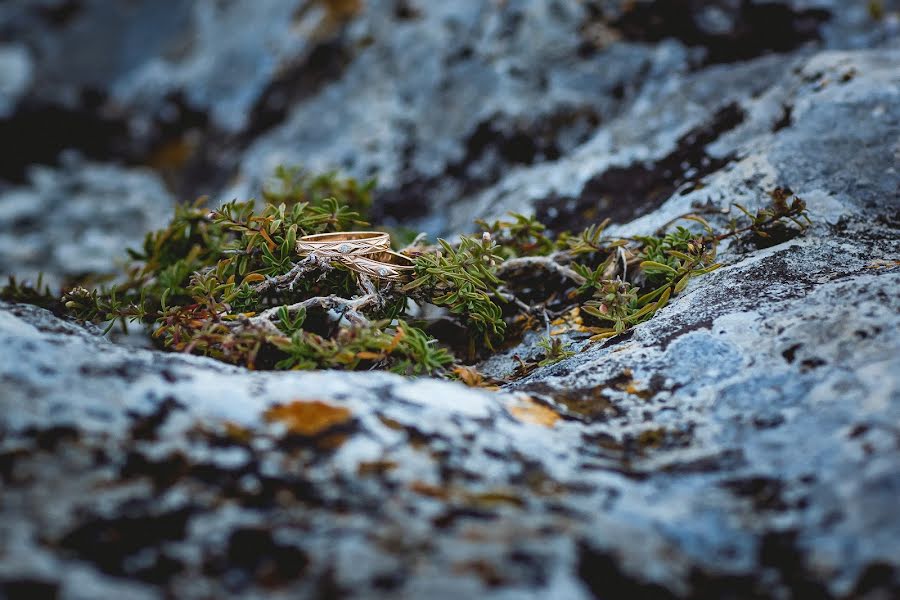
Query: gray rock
x=143 y=53
x=466 y=109
x=743 y=442
x=745 y=438
x=15 y=76
x=78 y=220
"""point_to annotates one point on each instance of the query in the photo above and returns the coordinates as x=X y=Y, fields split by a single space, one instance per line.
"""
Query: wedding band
x=348 y=243
x=386 y=264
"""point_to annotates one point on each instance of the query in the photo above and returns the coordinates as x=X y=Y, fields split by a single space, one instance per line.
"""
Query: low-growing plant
x=228 y=283
x=554 y=351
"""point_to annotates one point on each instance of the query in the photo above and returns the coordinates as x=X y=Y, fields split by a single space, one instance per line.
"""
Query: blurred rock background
x=459 y=109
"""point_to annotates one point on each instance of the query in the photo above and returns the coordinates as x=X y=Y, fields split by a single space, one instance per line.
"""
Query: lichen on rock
x=741 y=442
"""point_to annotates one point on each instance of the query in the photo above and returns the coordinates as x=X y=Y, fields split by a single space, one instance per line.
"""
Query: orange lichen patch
x=883 y=264
x=495 y=498
x=172 y=155
x=529 y=411
x=652 y=438
x=490 y=574
x=375 y=467
x=391 y=423
x=631 y=387
x=426 y=489
x=332 y=441
x=308 y=417
x=336 y=13
x=237 y=433
x=342 y=10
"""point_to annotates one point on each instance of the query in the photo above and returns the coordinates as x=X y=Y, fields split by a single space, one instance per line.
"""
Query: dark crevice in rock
x=179 y=140
x=765 y=493
x=145 y=427
x=131 y=544
x=50 y=438
x=491 y=148
x=59 y=14
x=28 y=588
x=682 y=328
x=605 y=578
x=252 y=555
x=728 y=30
x=790 y=353
x=780 y=552
x=625 y=193
x=785 y=120
x=211 y=160
x=879 y=580
x=326 y=62
x=39 y=131
x=8 y=460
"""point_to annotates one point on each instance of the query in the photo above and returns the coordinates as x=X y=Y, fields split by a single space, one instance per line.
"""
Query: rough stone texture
x=744 y=442
x=15 y=75
x=439 y=101
x=78 y=220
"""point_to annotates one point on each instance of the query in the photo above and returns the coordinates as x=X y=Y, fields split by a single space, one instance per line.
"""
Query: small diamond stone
x=344 y=248
x=382 y=271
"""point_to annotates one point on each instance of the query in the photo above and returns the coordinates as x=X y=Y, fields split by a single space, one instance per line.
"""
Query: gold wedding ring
x=387 y=265
x=366 y=252
x=344 y=244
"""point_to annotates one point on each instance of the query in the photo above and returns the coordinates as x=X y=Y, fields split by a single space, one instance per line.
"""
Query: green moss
x=227 y=283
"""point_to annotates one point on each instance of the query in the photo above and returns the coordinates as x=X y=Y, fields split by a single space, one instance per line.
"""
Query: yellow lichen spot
x=237 y=433
x=883 y=264
x=308 y=417
x=529 y=411
x=427 y=489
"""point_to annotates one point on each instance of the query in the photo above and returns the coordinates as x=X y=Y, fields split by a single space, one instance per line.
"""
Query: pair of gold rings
x=366 y=252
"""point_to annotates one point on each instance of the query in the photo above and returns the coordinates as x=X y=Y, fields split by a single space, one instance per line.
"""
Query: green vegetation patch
x=228 y=283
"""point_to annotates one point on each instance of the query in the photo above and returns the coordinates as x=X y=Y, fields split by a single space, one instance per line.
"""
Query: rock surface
x=745 y=442
x=78 y=220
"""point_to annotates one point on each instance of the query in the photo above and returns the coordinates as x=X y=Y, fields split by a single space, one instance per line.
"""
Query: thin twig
x=349 y=309
x=543 y=262
x=289 y=279
x=510 y=297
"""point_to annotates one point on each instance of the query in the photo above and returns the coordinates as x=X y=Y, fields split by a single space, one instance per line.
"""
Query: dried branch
x=543 y=262
x=309 y=264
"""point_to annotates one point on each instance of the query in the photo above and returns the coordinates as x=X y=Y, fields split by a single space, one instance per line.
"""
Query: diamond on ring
x=383 y=272
x=344 y=248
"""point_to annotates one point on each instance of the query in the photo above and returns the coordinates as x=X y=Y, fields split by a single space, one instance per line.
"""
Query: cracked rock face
x=745 y=442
